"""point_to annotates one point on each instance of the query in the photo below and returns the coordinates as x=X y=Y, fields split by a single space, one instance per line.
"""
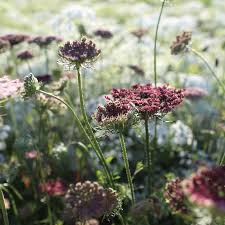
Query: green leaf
x=139 y=168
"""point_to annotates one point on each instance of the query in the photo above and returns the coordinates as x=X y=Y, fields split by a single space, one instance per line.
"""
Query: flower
x=25 y=55
x=139 y=33
x=104 y=34
x=31 y=155
x=31 y=86
x=44 y=41
x=14 y=39
x=175 y=196
x=90 y=200
x=77 y=53
x=53 y=187
x=206 y=187
x=114 y=114
x=137 y=70
x=181 y=43
x=9 y=88
x=4 y=45
x=44 y=78
x=194 y=93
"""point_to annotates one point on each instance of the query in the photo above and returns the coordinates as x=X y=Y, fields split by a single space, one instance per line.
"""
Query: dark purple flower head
x=4 y=45
x=104 y=34
x=175 y=196
x=44 y=78
x=137 y=70
x=206 y=187
x=181 y=43
x=194 y=93
x=25 y=55
x=79 y=52
x=89 y=200
x=44 y=41
x=139 y=33
x=14 y=39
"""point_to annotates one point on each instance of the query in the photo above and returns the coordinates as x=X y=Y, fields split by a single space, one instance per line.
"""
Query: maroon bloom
x=139 y=33
x=138 y=70
x=194 y=93
x=44 y=78
x=104 y=34
x=175 y=196
x=206 y=187
x=4 y=45
x=25 y=55
x=53 y=187
x=14 y=39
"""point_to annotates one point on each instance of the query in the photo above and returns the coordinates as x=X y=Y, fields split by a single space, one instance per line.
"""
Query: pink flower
x=9 y=88
x=32 y=154
x=53 y=187
x=195 y=93
x=206 y=187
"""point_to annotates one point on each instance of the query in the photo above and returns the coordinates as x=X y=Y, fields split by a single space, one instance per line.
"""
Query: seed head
x=44 y=41
x=90 y=200
x=77 y=53
x=181 y=43
x=31 y=86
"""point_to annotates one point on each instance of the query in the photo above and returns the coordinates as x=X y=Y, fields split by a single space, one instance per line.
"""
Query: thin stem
x=4 y=211
x=222 y=159
x=121 y=219
x=50 y=219
x=90 y=131
x=126 y=164
x=148 y=157
x=29 y=67
x=46 y=60
x=155 y=43
x=209 y=67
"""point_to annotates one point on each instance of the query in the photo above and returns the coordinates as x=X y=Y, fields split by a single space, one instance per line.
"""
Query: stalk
x=126 y=164
x=155 y=42
x=90 y=131
x=148 y=158
x=104 y=164
x=4 y=211
x=209 y=67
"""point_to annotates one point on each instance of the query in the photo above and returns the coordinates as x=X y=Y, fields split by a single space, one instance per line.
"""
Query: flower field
x=112 y=112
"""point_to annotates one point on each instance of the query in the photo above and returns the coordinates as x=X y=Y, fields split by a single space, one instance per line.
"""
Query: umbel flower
x=104 y=34
x=44 y=41
x=31 y=86
x=88 y=200
x=139 y=33
x=77 y=53
x=4 y=45
x=14 y=39
x=25 y=55
x=206 y=188
x=175 y=196
x=150 y=101
x=181 y=43
x=195 y=93
x=9 y=88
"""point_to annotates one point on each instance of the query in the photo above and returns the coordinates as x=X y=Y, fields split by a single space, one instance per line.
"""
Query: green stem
x=29 y=67
x=126 y=164
x=90 y=131
x=4 y=211
x=50 y=219
x=121 y=219
x=148 y=158
x=209 y=67
x=46 y=60
x=155 y=43
x=222 y=159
